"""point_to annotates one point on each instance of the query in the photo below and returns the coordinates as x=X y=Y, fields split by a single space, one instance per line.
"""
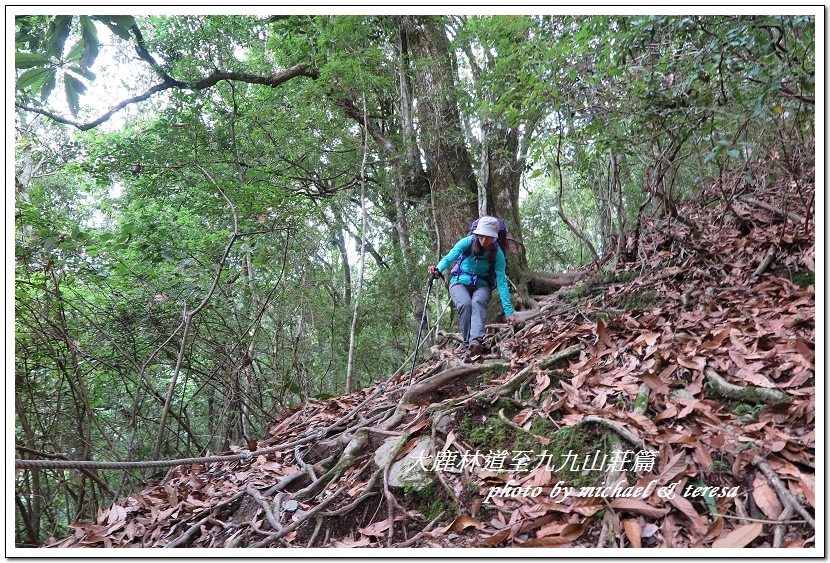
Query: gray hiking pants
x=471 y=303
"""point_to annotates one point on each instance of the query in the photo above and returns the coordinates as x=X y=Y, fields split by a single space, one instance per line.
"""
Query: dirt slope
x=669 y=401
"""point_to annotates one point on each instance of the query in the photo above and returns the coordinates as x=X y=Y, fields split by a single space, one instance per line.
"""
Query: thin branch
x=189 y=315
x=783 y=493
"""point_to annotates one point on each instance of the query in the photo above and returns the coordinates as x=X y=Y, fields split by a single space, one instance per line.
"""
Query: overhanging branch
x=274 y=80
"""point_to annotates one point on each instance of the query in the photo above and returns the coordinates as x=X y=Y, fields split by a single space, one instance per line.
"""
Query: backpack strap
x=491 y=277
x=456 y=270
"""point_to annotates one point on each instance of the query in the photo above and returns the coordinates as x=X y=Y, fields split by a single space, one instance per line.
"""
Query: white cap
x=487 y=226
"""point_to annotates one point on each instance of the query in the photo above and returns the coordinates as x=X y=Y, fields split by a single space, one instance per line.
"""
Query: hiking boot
x=475 y=347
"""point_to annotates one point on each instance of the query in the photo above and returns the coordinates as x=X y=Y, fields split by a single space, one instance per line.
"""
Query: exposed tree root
x=182 y=539
x=607 y=535
x=266 y=506
x=623 y=432
x=273 y=537
x=749 y=393
x=641 y=402
x=548 y=283
x=350 y=453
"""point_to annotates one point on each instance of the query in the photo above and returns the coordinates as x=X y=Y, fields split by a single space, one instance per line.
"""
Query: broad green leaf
x=119 y=25
x=33 y=77
x=85 y=72
x=292 y=385
x=91 y=44
x=74 y=55
x=57 y=34
x=79 y=86
x=74 y=88
x=28 y=60
x=48 y=84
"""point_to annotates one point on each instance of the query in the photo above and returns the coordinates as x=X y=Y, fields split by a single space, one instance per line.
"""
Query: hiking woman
x=480 y=268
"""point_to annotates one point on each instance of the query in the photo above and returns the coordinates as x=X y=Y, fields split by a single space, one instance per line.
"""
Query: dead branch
x=770 y=255
x=778 y=535
x=788 y=214
x=686 y=298
x=743 y=517
x=744 y=520
x=783 y=493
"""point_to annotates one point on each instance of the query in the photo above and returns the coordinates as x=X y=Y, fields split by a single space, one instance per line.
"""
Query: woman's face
x=485 y=241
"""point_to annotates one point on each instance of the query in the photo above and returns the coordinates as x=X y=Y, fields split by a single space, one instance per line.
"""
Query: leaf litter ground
x=694 y=354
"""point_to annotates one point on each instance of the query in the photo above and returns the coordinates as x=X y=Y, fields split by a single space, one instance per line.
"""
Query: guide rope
x=246 y=455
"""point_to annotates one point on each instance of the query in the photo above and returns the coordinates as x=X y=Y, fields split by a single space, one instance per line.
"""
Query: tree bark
x=449 y=169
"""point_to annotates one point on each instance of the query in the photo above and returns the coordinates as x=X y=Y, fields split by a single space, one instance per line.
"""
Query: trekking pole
x=421 y=326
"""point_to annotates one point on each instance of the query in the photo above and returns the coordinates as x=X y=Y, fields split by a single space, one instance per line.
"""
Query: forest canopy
x=218 y=217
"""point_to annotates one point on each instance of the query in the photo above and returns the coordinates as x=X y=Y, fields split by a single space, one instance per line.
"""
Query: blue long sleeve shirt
x=480 y=266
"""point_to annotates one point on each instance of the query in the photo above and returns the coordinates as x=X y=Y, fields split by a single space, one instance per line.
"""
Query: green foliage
x=747 y=413
x=804 y=279
x=489 y=431
x=41 y=52
x=432 y=501
x=551 y=245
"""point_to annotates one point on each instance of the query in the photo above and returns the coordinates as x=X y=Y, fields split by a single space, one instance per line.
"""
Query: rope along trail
x=71 y=464
x=309 y=435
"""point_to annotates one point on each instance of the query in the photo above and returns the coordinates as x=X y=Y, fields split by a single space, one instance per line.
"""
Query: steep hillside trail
x=666 y=401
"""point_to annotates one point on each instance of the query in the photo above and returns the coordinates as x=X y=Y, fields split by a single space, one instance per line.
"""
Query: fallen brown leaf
x=633 y=531
x=740 y=536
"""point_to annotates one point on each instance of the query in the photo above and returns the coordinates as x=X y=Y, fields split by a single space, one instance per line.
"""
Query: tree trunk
x=340 y=241
x=350 y=385
x=449 y=167
x=502 y=188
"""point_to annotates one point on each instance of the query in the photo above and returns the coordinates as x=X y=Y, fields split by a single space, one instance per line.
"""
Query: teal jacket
x=479 y=265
